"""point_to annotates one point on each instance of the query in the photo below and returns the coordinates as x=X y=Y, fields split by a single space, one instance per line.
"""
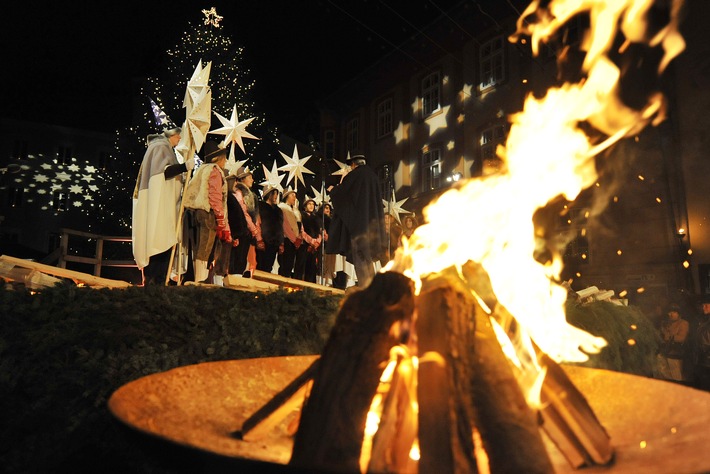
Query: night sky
x=71 y=63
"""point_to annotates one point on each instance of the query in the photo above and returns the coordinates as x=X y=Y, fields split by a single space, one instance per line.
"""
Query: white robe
x=156 y=203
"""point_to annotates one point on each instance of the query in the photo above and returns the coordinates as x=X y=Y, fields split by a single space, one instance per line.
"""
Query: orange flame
x=547 y=155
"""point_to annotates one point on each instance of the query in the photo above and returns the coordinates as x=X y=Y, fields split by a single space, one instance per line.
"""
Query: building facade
x=435 y=110
x=51 y=179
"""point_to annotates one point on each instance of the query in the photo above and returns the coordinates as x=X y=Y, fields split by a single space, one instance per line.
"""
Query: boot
x=201 y=273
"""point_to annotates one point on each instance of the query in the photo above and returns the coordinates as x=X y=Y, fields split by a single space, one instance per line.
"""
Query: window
x=60 y=201
x=490 y=139
x=384 y=118
x=329 y=145
x=14 y=196
x=431 y=94
x=19 y=150
x=384 y=174
x=64 y=155
x=353 y=134
x=492 y=63
x=431 y=169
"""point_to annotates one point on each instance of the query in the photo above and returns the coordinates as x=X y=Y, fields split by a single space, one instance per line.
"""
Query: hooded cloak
x=156 y=202
x=358 y=214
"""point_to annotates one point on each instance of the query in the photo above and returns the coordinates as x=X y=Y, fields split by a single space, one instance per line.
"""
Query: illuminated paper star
x=343 y=168
x=394 y=207
x=76 y=189
x=234 y=131
x=234 y=167
x=41 y=191
x=295 y=167
x=88 y=197
x=62 y=176
x=211 y=17
x=73 y=168
x=273 y=178
x=320 y=197
x=40 y=178
x=197 y=124
x=197 y=85
x=56 y=187
x=46 y=166
x=90 y=169
x=88 y=178
x=93 y=187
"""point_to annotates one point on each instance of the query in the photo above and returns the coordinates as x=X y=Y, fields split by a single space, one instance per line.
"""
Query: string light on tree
x=211 y=17
x=230 y=83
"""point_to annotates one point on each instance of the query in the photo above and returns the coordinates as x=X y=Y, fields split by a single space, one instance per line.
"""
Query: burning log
x=397 y=430
x=369 y=324
x=445 y=331
x=567 y=418
x=570 y=422
x=509 y=428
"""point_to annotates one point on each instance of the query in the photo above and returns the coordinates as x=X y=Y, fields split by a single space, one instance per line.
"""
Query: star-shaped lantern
x=211 y=17
x=273 y=178
x=234 y=131
x=197 y=85
x=320 y=197
x=198 y=102
x=295 y=167
x=343 y=168
x=394 y=207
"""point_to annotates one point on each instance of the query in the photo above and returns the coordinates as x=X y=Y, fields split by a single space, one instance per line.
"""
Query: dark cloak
x=358 y=213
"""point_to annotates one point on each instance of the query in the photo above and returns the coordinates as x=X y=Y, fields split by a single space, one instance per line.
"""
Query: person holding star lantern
x=156 y=204
x=206 y=195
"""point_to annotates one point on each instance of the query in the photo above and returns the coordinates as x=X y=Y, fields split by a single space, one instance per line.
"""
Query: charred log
x=369 y=323
x=509 y=428
x=445 y=330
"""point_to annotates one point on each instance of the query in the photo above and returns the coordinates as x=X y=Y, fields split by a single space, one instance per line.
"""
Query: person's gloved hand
x=260 y=245
x=223 y=232
x=190 y=164
x=235 y=243
x=225 y=235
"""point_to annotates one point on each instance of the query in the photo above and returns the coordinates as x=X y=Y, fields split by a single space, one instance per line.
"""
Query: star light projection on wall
x=55 y=187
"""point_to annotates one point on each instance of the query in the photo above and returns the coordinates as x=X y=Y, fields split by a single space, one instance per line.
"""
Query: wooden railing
x=61 y=255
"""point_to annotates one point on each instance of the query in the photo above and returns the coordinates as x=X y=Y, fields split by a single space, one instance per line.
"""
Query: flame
x=548 y=154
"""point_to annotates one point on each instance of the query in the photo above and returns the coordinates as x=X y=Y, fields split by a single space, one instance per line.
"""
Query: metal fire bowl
x=654 y=426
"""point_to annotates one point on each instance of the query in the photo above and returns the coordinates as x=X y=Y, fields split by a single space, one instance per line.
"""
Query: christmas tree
x=204 y=41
